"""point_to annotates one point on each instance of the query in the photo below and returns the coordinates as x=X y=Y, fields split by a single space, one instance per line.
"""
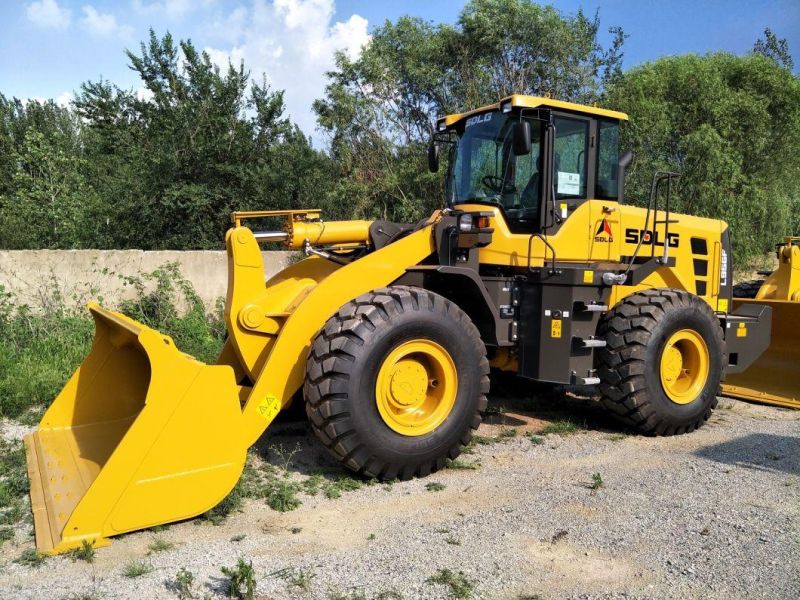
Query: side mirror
x=624 y=162
x=522 y=138
x=433 y=157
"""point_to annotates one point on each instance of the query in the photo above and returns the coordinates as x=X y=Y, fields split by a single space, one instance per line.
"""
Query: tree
x=731 y=126
x=45 y=198
x=775 y=49
x=174 y=162
x=379 y=110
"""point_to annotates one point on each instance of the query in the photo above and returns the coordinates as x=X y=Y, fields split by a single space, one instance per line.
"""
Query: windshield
x=484 y=168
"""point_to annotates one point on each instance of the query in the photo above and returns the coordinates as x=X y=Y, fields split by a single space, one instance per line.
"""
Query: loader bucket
x=141 y=434
x=774 y=378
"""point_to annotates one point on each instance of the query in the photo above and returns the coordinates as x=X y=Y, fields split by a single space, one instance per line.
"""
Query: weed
x=281 y=494
x=597 y=481
x=559 y=535
x=434 y=486
x=389 y=595
x=6 y=533
x=242 y=580
x=441 y=530
x=85 y=552
x=531 y=597
x=296 y=529
x=452 y=540
x=334 y=489
x=482 y=440
x=184 y=583
x=30 y=558
x=563 y=427
x=238 y=538
x=160 y=545
x=358 y=594
x=461 y=588
x=13 y=476
x=137 y=568
x=388 y=485
x=295 y=578
x=463 y=465
x=507 y=433
x=313 y=484
x=615 y=437
x=370 y=537
x=536 y=440
x=495 y=409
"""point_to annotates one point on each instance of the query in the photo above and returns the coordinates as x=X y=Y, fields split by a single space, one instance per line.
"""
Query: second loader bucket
x=775 y=377
x=142 y=434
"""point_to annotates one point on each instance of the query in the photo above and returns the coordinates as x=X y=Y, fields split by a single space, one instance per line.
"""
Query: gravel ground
x=713 y=514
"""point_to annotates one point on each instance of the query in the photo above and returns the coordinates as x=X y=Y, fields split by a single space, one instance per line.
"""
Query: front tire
x=663 y=362
x=395 y=383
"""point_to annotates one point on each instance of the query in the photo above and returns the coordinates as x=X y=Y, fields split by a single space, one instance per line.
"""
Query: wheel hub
x=684 y=366
x=416 y=387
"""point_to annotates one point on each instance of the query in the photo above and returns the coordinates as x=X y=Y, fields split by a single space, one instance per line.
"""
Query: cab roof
x=518 y=100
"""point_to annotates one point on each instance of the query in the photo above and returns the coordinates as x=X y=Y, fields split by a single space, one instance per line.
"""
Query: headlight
x=506 y=107
x=441 y=126
x=465 y=222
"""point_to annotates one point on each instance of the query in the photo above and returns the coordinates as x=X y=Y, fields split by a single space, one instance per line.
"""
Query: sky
x=49 y=47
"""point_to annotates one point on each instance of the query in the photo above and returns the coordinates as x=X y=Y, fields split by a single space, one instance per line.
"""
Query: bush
x=40 y=349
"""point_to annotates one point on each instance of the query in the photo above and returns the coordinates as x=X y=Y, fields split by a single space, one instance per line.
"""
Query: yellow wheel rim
x=684 y=366
x=416 y=387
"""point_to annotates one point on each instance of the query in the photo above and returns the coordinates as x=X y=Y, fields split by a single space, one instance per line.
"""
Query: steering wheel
x=498 y=184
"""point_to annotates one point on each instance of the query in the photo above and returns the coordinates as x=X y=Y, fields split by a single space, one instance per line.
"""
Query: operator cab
x=535 y=158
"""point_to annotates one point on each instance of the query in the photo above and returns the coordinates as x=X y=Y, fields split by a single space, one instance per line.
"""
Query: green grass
x=160 y=545
x=137 y=568
x=463 y=465
x=13 y=483
x=6 y=534
x=434 y=486
x=452 y=540
x=460 y=588
x=536 y=440
x=597 y=481
x=31 y=558
x=41 y=346
x=563 y=427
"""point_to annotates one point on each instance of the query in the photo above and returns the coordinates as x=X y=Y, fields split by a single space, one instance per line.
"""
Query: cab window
x=607 y=160
x=571 y=154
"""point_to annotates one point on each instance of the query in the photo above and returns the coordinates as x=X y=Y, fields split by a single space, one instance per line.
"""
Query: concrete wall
x=43 y=279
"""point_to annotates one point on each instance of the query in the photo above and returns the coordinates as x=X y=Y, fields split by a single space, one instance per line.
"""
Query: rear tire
x=348 y=357
x=747 y=289
x=639 y=331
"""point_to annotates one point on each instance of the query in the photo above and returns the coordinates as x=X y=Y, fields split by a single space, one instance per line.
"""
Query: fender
x=273 y=341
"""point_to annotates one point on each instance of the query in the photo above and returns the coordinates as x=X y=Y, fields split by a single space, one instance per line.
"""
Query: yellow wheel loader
x=535 y=266
x=775 y=377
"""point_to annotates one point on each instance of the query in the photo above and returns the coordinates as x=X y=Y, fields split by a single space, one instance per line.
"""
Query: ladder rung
x=595 y=308
x=593 y=343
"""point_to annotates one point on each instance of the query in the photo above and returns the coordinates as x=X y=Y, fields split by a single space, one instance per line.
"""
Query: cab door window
x=571 y=157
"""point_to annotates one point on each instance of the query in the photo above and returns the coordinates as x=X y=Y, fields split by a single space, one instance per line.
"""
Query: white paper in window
x=569 y=183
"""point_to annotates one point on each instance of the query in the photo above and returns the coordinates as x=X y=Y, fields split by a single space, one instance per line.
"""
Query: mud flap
x=774 y=377
x=142 y=434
